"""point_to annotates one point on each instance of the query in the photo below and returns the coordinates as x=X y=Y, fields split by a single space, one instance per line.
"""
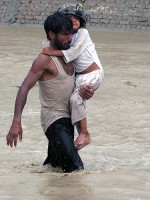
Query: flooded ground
x=117 y=162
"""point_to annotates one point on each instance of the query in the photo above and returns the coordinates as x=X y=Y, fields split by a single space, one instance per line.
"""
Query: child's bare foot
x=82 y=140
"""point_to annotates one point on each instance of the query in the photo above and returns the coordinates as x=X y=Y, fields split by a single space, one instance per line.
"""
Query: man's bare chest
x=68 y=67
x=52 y=71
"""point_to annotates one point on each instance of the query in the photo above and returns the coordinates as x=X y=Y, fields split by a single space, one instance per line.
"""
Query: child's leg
x=78 y=116
x=78 y=107
x=84 y=137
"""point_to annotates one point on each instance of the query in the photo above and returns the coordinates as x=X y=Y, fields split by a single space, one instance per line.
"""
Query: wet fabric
x=54 y=96
x=61 y=149
x=77 y=104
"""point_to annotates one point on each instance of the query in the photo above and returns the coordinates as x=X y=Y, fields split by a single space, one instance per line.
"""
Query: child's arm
x=74 y=51
x=80 y=44
x=51 y=52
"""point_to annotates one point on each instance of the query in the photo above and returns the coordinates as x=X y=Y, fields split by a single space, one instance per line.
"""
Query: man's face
x=62 y=40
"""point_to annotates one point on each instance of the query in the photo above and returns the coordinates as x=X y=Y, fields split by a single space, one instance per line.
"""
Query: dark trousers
x=61 y=149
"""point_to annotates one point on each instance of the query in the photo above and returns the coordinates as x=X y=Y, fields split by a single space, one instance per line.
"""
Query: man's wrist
x=17 y=120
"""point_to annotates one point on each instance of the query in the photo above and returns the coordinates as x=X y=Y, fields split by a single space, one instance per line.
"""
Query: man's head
x=58 y=28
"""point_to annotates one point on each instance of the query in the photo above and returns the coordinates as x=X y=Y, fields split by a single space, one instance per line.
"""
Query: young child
x=89 y=71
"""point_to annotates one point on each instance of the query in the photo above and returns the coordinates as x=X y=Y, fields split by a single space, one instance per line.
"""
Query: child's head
x=77 y=15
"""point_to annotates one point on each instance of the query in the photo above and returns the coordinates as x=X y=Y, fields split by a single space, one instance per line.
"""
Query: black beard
x=59 y=46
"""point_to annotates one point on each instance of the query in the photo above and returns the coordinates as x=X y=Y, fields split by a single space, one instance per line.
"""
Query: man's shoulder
x=42 y=60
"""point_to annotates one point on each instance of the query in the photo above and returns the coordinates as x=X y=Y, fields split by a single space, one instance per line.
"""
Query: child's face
x=76 y=21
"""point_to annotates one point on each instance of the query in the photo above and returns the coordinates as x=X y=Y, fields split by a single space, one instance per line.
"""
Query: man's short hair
x=57 y=22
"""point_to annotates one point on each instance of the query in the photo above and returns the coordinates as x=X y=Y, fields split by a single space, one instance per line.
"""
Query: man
x=56 y=83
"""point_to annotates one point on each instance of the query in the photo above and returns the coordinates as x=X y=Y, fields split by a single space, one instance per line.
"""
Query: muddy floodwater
x=117 y=162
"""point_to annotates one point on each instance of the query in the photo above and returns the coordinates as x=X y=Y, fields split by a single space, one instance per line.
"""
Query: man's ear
x=51 y=35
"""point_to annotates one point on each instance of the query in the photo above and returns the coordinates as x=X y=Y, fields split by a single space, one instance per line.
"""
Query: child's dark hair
x=72 y=9
x=56 y=23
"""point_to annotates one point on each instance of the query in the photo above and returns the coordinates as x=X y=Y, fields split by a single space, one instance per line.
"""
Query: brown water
x=117 y=162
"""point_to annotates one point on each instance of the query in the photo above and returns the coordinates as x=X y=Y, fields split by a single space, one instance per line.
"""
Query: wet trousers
x=61 y=149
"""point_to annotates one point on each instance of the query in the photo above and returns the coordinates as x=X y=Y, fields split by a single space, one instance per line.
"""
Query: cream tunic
x=54 y=96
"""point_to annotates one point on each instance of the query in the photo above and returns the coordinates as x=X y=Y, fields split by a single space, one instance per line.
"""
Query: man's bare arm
x=30 y=80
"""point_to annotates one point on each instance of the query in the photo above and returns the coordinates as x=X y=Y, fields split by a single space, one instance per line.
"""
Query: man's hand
x=14 y=132
x=86 y=92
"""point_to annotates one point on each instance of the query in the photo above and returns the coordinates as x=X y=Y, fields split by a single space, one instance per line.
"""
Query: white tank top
x=54 y=96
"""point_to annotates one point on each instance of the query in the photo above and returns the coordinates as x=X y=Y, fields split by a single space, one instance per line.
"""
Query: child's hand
x=47 y=51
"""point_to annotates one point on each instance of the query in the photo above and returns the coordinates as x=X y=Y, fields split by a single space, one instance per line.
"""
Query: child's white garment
x=77 y=104
x=83 y=54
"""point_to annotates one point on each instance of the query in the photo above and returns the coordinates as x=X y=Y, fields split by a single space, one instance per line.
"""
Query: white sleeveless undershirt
x=54 y=96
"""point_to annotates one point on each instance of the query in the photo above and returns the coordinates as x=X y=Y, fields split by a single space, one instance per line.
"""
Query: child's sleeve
x=78 y=47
